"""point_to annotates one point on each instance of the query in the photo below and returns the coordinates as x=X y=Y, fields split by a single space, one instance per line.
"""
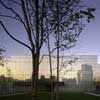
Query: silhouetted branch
x=62 y=46
x=28 y=29
x=30 y=20
x=5 y=29
x=12 y=10
x=15 y=2
x=1 y=57
x=41 y=59
x=11 y=17
x=42 y=20
x=66 y=63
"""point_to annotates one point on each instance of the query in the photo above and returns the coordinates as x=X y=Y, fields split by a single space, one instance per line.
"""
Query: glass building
x=21 y=66
x=79 y=70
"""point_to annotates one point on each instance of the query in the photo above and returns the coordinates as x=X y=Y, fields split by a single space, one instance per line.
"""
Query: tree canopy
x=62 y=20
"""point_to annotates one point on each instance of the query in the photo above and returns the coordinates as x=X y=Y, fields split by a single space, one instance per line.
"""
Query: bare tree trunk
x=36 y=55
x=57 y=87
x=35 y=73
x=51 y=75
x=58 y=41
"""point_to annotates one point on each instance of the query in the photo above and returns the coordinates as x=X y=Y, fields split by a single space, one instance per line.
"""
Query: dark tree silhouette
x=63 y=19
x=68 y=17
x=1 y=57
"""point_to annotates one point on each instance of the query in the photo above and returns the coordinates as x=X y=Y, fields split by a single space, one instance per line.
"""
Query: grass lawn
x=46 y=96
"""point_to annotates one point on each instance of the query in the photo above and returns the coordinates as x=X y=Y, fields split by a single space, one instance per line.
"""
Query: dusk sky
x=87 y=44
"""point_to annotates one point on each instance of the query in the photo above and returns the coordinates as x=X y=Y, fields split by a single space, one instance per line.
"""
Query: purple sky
x=88 y=43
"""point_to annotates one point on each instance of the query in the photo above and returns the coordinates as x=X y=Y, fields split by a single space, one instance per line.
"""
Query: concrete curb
x=94 y=94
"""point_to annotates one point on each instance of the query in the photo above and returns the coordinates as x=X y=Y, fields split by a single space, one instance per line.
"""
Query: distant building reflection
x=83 y=81
x=78 y=71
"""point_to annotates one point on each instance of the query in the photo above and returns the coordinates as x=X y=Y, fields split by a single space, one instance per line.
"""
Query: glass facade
x=77 y=69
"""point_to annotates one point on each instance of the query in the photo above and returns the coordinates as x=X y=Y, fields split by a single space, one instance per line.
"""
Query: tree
x=32 y=19
x=51 y=71
x=43 y=18
x=1 y=57
x=69 y=19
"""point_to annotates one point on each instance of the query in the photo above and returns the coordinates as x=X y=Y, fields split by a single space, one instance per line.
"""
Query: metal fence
x=10 y=85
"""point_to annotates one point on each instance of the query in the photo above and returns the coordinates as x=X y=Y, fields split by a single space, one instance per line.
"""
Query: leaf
x=91 y=9
x=84 y=12
x=77 y=15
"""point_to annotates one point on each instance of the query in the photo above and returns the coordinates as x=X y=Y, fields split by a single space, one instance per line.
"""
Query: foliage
x=1 y=57
x=70 y=17
x=43 y=18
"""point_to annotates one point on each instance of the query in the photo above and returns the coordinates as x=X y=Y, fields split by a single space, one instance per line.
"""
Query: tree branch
x=37 y=25
x=41 y=59
x=42 y=20
x=12 y=10
x=15 y=2
x=5 y=29
x=11 y=17
x=28 y=29
x=14 y=18
x=30 y=20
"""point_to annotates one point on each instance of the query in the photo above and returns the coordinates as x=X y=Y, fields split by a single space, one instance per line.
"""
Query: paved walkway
x=13 y=94
x=93 y=94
